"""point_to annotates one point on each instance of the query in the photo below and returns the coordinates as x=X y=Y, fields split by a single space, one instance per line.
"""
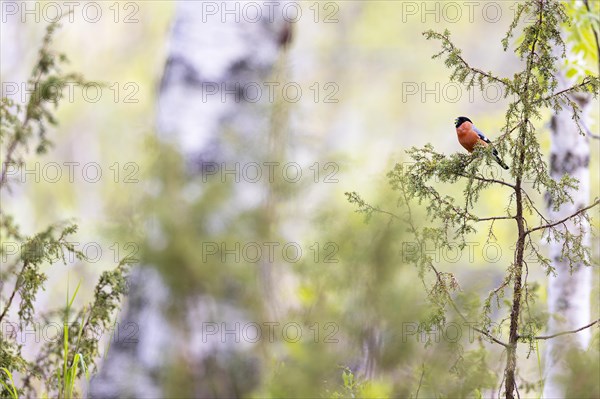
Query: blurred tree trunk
x=207 y=58
x=570 y=289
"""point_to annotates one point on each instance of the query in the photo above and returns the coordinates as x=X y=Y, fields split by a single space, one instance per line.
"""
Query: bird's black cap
x=460 y=120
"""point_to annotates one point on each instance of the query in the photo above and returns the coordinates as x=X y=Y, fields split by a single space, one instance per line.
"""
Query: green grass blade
x=10 y=388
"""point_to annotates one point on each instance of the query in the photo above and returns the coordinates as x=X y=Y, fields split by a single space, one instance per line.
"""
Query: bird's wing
x=481 y=135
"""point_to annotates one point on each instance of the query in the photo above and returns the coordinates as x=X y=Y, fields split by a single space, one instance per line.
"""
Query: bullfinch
x=469 y=136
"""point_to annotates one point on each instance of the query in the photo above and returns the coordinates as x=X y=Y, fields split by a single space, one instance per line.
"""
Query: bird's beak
x=455 y=121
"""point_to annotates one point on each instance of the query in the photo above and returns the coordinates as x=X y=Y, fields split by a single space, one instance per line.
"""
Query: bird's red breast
x=467 y=137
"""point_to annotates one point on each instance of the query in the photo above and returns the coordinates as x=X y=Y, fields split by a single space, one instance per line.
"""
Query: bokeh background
x=387 y=94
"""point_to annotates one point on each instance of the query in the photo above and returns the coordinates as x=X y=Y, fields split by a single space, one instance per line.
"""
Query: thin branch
x=495 y=218
x=8 y=161
x=500 y=287
x=567 y=332
x=15 y=289
x=420 y=382
x=485 y=179
x=379 y=210
x=501 y=384
x=438 y=197
x=441 y=281
x=510 y=131
x=15 y=139
x=550 y=225
x=455 y=307
x=491 y=234
x=587 y=130
x=487 y=75
x=491 y=337
x=474 y=70
x=586 y=81
x=532 y=206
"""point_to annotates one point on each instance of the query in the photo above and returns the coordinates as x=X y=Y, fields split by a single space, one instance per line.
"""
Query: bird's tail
x=500 y=162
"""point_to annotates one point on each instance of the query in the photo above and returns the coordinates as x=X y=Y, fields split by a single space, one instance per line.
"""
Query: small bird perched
x=469 y=136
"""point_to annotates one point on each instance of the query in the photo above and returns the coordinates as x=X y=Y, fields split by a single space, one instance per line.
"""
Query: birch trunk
x=207 y=57
x=569 y=291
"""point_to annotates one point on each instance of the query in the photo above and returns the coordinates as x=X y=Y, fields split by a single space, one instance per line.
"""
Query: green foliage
x=9 y=385
x=69 y=373
x=473 y=374
x=352 y=387
x=20 y=126
x=44 y=247
x=422 y=179
x=582 y=37
x=581 y=379
x=60 y=362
